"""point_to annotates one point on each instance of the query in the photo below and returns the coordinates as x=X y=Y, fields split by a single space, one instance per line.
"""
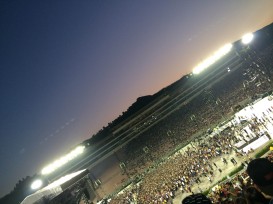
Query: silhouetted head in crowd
x=261 y=172
x=255 y=196
x=196 y=199
x=240 y=200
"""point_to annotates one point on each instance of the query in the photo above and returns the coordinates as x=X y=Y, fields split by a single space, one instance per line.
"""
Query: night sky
x=68 y=68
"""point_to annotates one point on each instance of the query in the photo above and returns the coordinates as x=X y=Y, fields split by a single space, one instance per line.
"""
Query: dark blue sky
x=67 y=68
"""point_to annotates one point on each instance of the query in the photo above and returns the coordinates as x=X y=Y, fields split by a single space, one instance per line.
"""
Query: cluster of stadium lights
x=57 y=164
x=247 y=38
x=212 y=59
x=63 y=160
x=38 y=183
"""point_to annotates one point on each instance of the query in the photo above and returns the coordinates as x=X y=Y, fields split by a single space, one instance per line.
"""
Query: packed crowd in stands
x=161 y=181
x=198 y=115
x=193 y=166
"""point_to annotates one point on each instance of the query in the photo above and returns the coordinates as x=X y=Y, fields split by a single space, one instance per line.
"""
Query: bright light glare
x=63 y=179
x=212 y=59
x=36 y=184
x=63 y=160
x=247 y=38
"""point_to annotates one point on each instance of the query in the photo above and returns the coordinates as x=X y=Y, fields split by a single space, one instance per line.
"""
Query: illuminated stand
x=259 y=110
x=72 y=188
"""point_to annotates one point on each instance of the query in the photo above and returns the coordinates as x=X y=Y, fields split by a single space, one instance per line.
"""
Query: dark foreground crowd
x=255 y=186
x=248 y=187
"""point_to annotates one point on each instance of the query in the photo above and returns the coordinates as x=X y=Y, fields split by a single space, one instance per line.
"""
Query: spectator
x=253 y=196
x=196 y=199
x=261 y=172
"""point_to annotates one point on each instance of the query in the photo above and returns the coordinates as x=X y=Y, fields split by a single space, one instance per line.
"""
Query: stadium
x=184 y=139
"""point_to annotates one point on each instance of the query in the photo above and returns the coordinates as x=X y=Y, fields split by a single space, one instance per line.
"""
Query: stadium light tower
x=36 y=184
x=247 y=38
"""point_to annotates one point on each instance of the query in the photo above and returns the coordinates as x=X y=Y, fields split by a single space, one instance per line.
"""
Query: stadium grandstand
x=137 y=157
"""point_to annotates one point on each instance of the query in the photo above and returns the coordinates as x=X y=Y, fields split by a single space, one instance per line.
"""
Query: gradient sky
x=67 y=68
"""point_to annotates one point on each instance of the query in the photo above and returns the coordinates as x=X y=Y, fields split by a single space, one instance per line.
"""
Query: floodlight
x=80 y=149
x=44 y=171
x=247 y=38
x=36 y=184
x=212 y=59
x=63 y=160
x=47 y=170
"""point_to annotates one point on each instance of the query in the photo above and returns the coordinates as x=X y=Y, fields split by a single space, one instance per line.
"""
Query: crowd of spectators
x=207 y=109
x=160 y=181
x=239 y=189
x=194 y=165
